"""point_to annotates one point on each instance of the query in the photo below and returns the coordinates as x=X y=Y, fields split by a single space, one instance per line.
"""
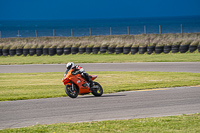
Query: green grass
x=19 y=86
x=175 y=124
x=101 y=58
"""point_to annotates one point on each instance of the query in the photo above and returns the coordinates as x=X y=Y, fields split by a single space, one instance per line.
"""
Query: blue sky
x=92 y=9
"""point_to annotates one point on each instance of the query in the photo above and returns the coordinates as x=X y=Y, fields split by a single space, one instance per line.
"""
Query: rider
x=78 y=70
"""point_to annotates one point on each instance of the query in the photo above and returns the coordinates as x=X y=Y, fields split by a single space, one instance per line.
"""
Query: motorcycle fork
x=73 y=87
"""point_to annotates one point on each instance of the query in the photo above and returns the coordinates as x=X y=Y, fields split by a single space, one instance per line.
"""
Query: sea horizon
x=99 y=26
x=100 y=18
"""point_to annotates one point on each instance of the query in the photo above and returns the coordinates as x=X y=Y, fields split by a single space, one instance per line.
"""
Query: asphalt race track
x=193 y=67
x=123 y=105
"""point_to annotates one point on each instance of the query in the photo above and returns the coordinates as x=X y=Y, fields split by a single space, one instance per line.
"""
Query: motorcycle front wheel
x=98 y=90
x=71 y=92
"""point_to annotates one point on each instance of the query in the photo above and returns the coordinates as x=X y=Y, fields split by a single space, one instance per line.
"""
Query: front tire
x=73 y=93
x=98 y=91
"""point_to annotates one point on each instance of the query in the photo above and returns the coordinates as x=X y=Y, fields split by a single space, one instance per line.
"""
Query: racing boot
x=88 y=86
x=91 y=83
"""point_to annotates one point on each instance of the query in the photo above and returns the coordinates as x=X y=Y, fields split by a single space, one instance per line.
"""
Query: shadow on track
x=107 y=95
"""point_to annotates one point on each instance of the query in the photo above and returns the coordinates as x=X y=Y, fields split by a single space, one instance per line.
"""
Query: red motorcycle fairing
x=93 y=77
x=78 y=81
x=81 y=84
x=76 y=85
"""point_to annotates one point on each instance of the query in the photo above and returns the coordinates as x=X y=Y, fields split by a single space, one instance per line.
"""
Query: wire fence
x=76 y=32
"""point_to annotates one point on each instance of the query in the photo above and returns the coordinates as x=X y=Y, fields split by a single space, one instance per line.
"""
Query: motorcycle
x=76 y=85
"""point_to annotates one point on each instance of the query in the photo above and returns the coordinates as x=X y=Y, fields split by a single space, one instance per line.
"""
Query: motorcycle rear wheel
x=71 y=93
x=97 y=92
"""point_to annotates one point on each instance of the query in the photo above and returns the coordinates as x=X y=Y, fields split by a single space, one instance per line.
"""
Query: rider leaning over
x=78 y=70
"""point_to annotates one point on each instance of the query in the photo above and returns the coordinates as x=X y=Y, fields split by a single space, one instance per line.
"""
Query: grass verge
x=100 y=58
x=182 y=123
x=20 y=86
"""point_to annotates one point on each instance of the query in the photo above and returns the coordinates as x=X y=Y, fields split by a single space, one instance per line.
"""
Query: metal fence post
x=18 y=33
x=110 y=30
x=181 y=29
x=53 y=32
x=90 y=31
x=128 y=30
x=36 y=33
x=145 y=30
x=160 y=32
x=71 y=32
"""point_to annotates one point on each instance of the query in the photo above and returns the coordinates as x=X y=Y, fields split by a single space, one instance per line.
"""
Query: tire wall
x=159 y=49
x=175 y=48
x=100 y=50
x=142 y=50
x=52 y=51
x=103 y=50
x=5 y=52
x=74 y=50
x=67 y=51
x=25 y=52
x=45 y=51
x=59 y=51
x=1 y=52
x=32 y=51
x=12 y=52
x=111 y=50
x=167 y=49
x=184 y=48
x=192 y=48
x=126 y=50
x=119 y=50
x=19 y=52
x=81 y=50
x=95 y=50
x=88 y=50
x=134 y=50
x=39 y=51
x=150 y=49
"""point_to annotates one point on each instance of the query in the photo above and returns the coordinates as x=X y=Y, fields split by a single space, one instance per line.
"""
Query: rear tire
x=97 y=92
x=71 y=93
